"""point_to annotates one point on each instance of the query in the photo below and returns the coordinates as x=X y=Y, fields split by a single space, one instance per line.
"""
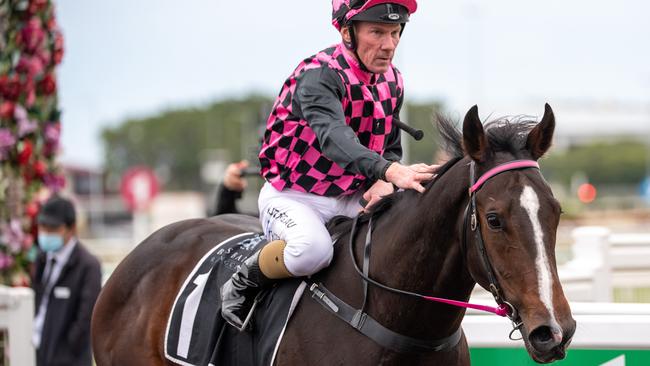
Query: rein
x=400 y=343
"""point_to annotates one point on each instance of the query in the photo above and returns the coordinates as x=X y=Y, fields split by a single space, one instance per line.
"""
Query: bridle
x=471 y=222
x=364 y=323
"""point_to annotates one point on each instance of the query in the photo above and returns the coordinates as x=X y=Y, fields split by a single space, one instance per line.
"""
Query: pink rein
x=502 y=309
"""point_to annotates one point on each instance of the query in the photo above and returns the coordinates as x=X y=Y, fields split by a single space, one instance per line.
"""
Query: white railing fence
x=601 y=262
x=599 y=326
x=16 y=317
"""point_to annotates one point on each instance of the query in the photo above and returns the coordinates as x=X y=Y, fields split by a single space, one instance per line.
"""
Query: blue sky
x=137 y=58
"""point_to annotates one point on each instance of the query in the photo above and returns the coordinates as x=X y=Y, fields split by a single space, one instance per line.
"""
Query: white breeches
x=299 y=219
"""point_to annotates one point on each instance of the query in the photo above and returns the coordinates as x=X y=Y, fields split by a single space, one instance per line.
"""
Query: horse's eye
x=493 y=221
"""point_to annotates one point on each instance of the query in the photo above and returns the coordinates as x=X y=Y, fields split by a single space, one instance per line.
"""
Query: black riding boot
x=239 y=292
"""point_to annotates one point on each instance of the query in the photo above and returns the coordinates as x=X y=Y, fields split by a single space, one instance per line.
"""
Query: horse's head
x=517 y=221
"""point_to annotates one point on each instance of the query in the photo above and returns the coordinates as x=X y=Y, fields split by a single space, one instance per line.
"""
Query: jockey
x=329 y=138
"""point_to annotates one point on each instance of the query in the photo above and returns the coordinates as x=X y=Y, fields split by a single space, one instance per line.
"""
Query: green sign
x=575 y=357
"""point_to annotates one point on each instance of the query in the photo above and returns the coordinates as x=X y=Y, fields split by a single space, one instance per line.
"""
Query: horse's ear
x=474 y=141
x=540 y=138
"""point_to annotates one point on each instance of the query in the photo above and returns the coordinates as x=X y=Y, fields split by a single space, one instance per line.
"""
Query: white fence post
x=590 y=254
x=16 y=316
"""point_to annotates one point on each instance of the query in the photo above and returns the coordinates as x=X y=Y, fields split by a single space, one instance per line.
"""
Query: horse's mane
x=507 y=134
x=388 y=201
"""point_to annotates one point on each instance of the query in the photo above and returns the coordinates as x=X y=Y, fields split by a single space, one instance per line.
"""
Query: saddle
x=197 y=335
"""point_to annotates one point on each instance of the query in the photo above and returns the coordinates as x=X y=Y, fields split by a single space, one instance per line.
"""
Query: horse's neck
x=421 y=248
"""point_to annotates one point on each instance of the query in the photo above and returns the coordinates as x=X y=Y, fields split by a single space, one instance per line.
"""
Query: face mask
x=50 y=242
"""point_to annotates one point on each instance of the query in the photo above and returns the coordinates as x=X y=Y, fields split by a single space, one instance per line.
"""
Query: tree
x=620 y=162
x=421 y=116
x=175 y=142
x=31 y=46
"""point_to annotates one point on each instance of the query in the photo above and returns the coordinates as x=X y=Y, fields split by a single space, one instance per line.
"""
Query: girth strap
x=383 y=336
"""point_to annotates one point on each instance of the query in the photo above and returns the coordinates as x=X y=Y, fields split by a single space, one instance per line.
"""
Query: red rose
x=36 y=5
x=32 y=209
x=31 y=99
x=24 y=64
x=25 y=153
x=47 y=86
x=10 y=87
x=31 y=37
x=40 y=168
x=7 y=110
x=28 y=85
x=32 y=66
x=44 y=56
x=57 y=56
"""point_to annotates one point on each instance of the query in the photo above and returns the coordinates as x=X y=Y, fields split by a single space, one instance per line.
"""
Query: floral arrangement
x=31 y=46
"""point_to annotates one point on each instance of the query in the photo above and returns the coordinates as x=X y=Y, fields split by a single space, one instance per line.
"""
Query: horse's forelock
x=509 y=133
x=504 y=134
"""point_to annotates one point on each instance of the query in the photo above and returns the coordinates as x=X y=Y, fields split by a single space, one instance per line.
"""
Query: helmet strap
x=352 y=46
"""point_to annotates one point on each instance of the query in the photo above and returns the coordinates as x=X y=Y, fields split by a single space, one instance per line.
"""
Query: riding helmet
x=381 y=11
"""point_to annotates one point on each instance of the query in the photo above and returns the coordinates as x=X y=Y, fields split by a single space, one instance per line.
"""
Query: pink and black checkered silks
x=291 y=156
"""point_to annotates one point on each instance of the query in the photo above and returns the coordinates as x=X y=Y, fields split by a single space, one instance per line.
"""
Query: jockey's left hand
x=410 y=177
x=376 y=192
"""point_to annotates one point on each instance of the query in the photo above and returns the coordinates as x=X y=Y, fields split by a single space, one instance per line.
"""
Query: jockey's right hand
x=410 y=177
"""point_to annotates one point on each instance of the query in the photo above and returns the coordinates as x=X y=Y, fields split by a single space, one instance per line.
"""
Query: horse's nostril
x=545 y=338
x=542 y=334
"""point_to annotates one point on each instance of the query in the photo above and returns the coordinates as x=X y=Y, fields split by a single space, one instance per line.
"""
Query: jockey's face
x=376 y=44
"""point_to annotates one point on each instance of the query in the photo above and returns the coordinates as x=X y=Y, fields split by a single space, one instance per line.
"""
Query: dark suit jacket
x=65 y=338
x=226 y=200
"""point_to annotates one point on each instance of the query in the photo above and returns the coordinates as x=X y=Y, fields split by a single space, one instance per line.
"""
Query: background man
x=67 y=281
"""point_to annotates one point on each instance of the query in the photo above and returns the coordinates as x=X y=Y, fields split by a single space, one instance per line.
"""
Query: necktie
x=48 y=277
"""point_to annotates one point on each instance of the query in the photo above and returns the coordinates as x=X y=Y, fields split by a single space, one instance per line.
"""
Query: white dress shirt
x=61 y=256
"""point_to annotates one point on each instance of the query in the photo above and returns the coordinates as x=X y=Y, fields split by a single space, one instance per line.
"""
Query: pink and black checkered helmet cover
x=343 y=10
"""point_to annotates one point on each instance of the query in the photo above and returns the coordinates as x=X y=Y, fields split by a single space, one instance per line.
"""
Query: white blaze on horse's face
x=530 y=203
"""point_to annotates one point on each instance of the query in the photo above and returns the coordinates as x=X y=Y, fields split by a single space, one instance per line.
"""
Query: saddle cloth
x=196 y=333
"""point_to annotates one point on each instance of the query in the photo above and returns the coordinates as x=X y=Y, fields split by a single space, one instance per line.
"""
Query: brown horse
x=417 y=245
